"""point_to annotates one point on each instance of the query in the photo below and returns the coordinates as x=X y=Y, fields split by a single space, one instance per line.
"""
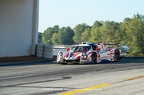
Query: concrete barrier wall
x=18 y=27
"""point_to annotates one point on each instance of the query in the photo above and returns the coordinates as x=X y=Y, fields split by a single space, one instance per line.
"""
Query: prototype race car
x=89 y=53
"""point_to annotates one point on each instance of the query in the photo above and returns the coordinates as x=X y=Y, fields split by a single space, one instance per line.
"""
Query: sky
x=73 y=12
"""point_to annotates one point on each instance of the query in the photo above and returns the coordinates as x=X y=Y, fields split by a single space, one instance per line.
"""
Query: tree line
x=130 y=32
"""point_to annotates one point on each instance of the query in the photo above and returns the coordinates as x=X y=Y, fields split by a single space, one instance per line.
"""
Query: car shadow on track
x=125 y=60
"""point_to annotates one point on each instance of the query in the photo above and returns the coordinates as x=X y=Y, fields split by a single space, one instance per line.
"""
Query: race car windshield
x=82 y=48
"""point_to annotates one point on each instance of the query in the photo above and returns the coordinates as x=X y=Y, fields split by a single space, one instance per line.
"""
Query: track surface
x=125 y=77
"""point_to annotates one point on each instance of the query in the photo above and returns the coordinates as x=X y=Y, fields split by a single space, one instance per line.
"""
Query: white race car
x=89 y=53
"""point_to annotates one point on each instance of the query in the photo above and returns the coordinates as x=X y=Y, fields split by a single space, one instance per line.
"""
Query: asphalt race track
x=125 y=77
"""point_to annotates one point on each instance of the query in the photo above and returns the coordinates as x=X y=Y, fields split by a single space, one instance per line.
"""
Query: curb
x=22 y=63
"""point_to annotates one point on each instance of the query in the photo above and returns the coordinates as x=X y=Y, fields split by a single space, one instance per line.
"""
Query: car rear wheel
x=116 y=55
x=94 y=58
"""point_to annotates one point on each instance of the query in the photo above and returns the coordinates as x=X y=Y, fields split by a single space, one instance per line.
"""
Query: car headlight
x=84 y=56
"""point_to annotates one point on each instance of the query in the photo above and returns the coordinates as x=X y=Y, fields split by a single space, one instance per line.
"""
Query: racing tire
x=59 y=57
x=116 y=55
x=94 y=58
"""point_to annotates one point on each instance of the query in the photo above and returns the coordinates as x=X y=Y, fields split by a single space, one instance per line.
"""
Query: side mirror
x=98 y=49
x=68 y=49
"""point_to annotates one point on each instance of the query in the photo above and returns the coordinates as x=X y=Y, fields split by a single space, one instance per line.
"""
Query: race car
x=89 y=53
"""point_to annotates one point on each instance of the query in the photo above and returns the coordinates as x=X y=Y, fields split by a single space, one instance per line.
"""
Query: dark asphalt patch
x=27 y=63
x=20 y=84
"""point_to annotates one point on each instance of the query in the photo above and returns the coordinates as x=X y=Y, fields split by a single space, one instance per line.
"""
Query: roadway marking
x=137 y=77
x=97 y=86
x=86 y=89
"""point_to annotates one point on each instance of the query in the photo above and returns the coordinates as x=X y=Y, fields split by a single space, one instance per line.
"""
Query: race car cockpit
x=82 y=48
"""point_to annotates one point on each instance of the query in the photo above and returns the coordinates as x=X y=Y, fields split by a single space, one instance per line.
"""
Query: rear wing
x=110 y=45
x=114 y=45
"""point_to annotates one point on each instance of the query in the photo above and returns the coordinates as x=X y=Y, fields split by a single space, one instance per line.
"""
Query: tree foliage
x=96 y=33
x=65 y=35
x=129 y=32
x=86 y=35
x=48 y=34
x=134 y=29
x=78 y=30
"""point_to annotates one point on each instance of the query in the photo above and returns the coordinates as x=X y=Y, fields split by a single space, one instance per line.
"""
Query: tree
x=65 y=35
x=86 y=35
x=109 y=31
x=55 y=39
x=96 y=35
x=135 y=35
x=123 y=28
x=48 y=34
x=78 y=30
